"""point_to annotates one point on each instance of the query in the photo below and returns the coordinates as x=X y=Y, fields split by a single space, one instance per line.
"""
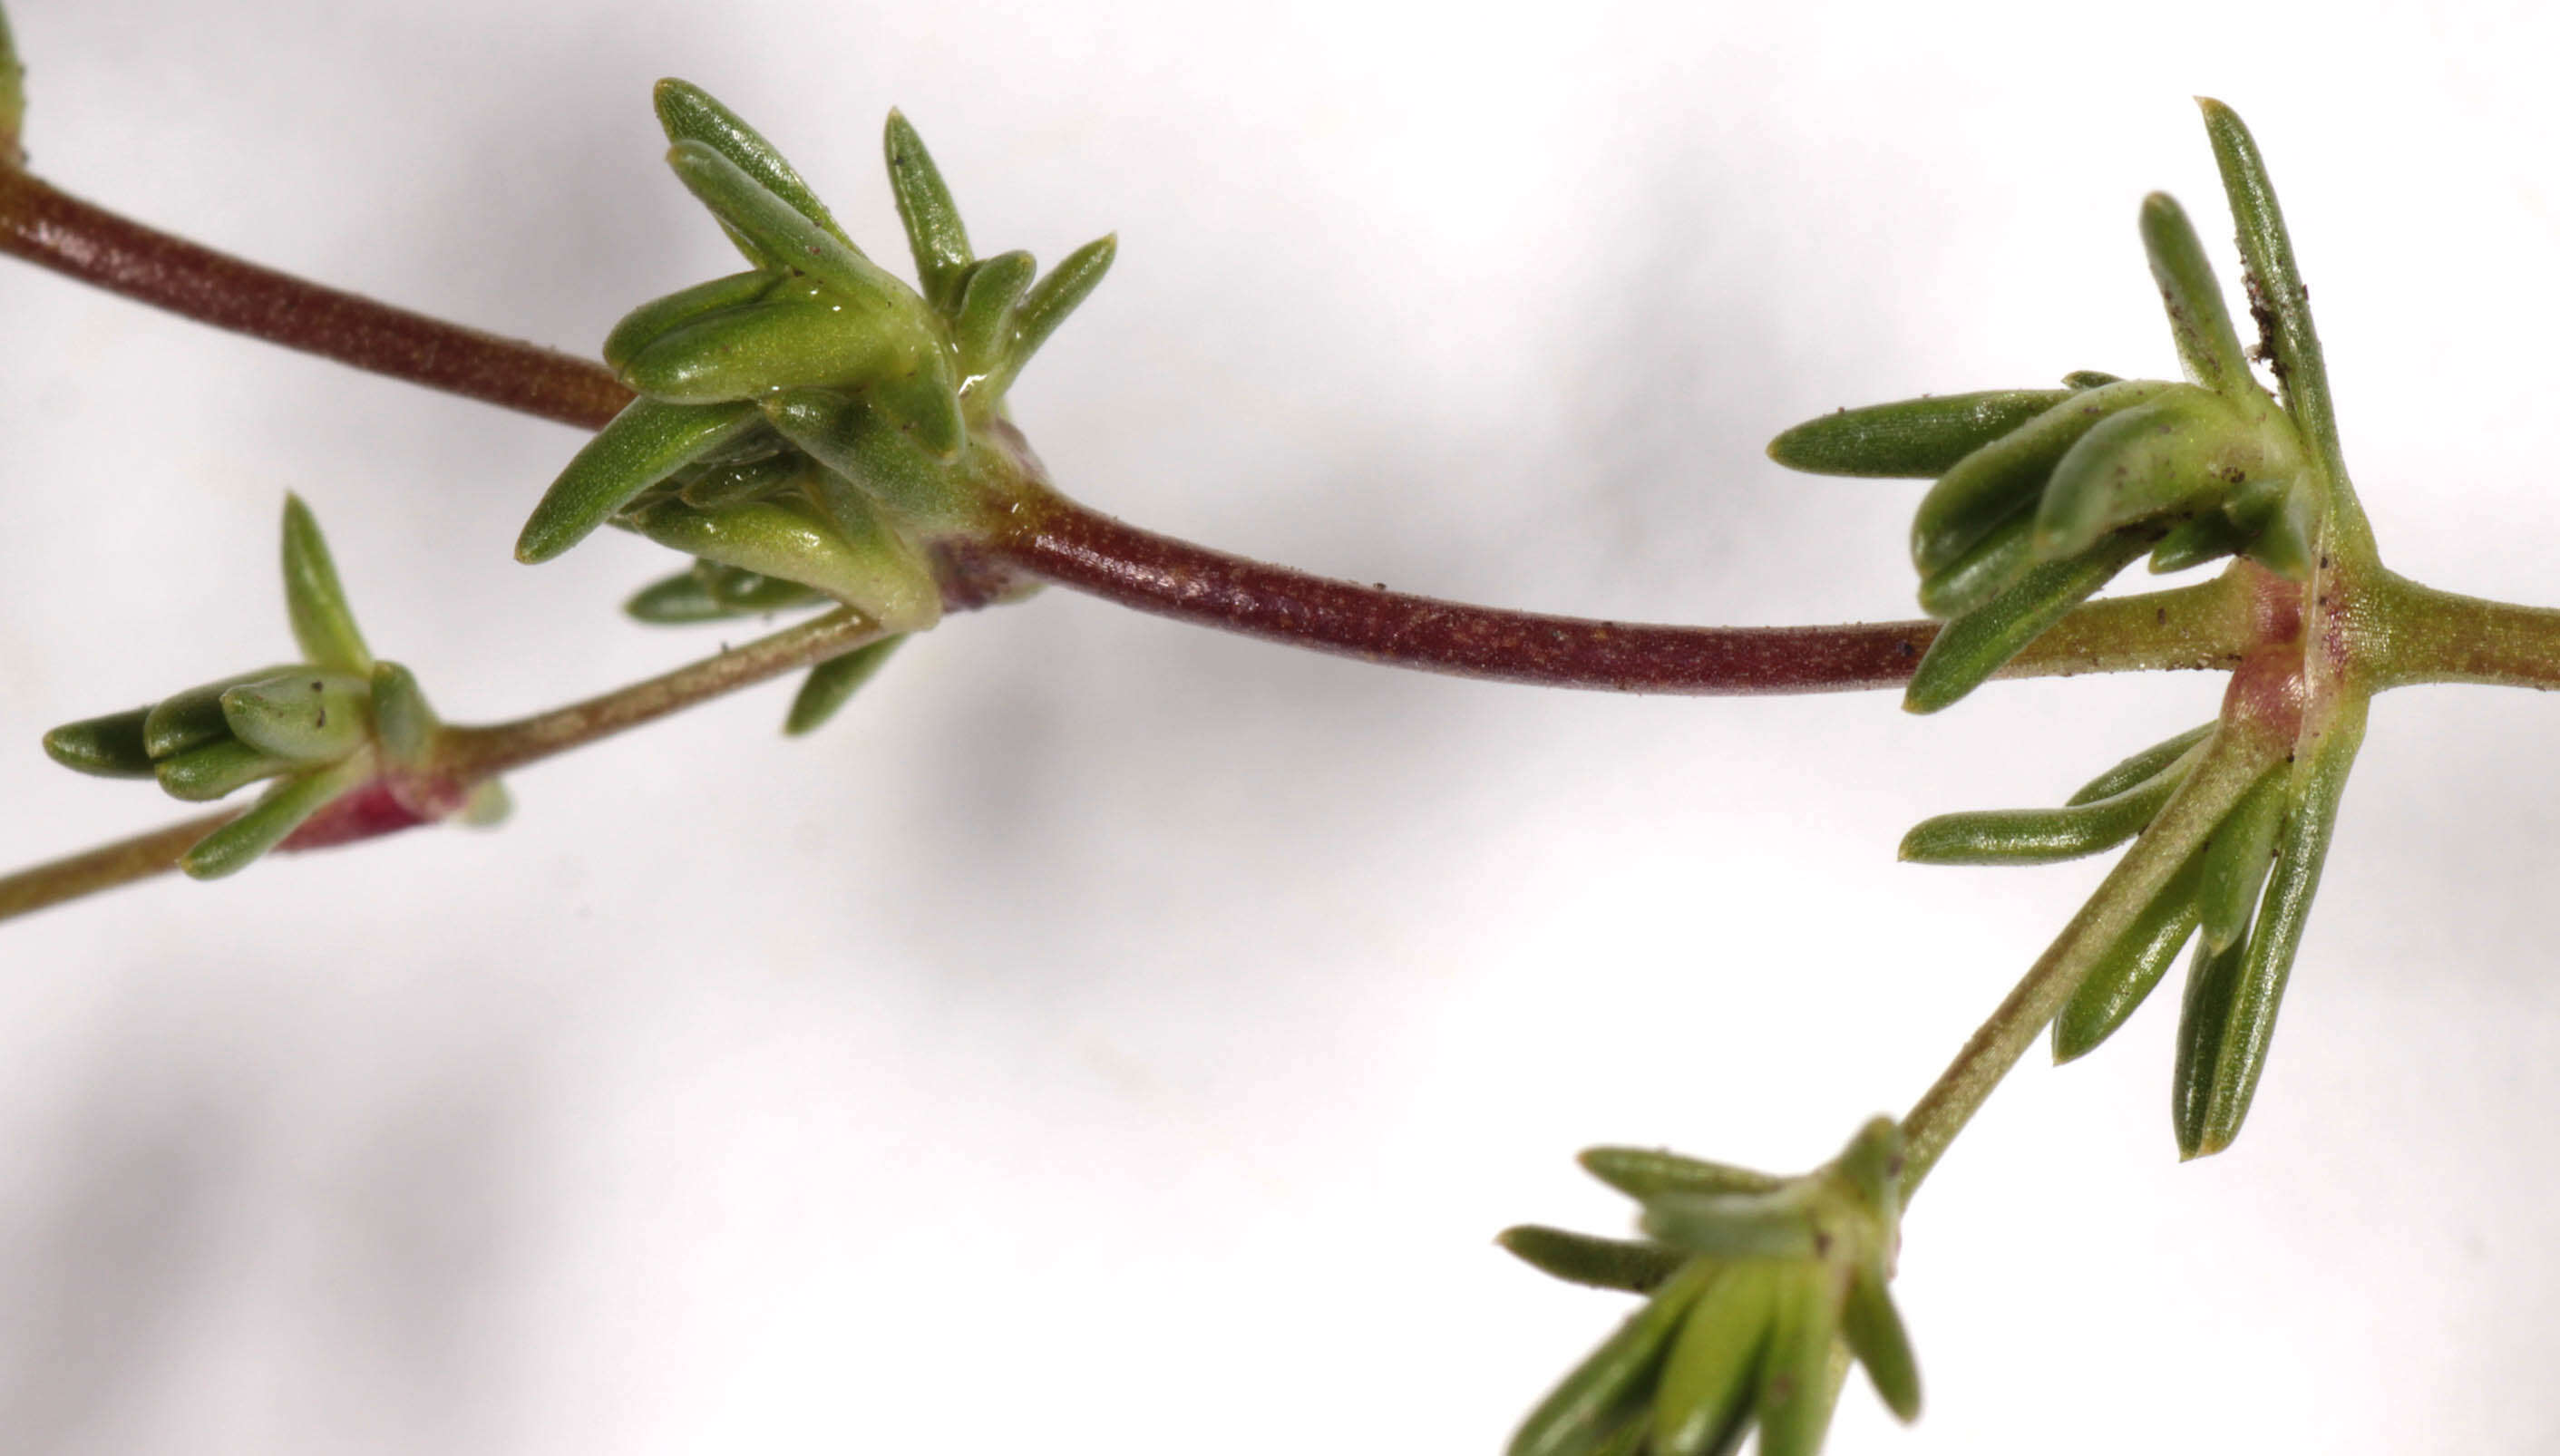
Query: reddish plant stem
x=54 y=230
x=1056 y=539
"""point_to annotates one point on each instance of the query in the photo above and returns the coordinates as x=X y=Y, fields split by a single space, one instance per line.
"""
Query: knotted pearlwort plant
x=814 y=432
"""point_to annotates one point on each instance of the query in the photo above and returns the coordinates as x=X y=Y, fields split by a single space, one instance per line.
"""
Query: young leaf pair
x=2245 y=921
x=1755 y=1285
x=320 y=729
x=2041 y=496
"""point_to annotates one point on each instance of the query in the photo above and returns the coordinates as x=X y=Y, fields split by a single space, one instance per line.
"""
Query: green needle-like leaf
x=1601 y=1263
x=1052 y=298
x=678 y=600
x=208 y=772
x=1773 y=1225
x=873 y=569
x=644 y=325
x=2236 y=858
x=797 y=337
x=647 y=443
x=1914 y=440
x=309 y=716
x=748 y=592
x=1714 y=1366
x=2281 y=518
x=983 y=328
x=111 y=747
x=1873 y=1329
x=268 y=822
x=1586 y=1408
x=688 y=113
x=2042 y=836
x=2176 y=453
x=1974 y=645
x=833 y=682
x=2123 y=975
x=2274 y=283
x=402 y=721
x=1986 y=487
x=314 y=600
x=2226 y=1084
x=743 y=480
x=932 y=220
x=785 y=237
x=2141 y=766
x=2089 y=378
x=1646 y=1173
x=1796 y=1391
x=871 y=454
x=2206 y=343
x=2204 y=1025
x=193 y=717
x=1988 y=567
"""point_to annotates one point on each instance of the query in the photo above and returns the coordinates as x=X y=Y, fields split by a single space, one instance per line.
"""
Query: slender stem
x=2436 y=636
x=13 y=100
x=124 y=861
x=2237 y=754
x=471 y=754
x=2201 y=627
x=54 y=230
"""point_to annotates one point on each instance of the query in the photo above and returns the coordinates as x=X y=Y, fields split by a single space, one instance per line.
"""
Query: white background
x=1111 y=1035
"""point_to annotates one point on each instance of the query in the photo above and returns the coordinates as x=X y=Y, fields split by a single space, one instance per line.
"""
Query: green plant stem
x=469 y=755
x=2237 y=754
x=154 y=851
x=13 y=100
x=54 y=230
x=2432 y=636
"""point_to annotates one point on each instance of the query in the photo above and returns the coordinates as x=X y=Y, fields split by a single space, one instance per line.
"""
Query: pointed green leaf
x=111 y=747
x=678 y=600
x=1915 y=439
x=1988 y=567
x=983 y=327
x=873 y=459
x=1796 y=1389
x=690 y=114
x=2258 y=983
x=2140 y=767
x=1645 y=1173
x=1871 y=1165
x=796 y=337
x=2179 y=453
x=2197 y=316
x=2236 y=858
x=1052 y=298
x=193 y=717
x=926 y=402
x=647 y=443
x=2043 y=836
x=932 y=220
x=1873 y=1329
x=1615 y=1381
x=2118 y=981
x=273 y=818
x=2204 y=1025
x=783 y=236
x=1714 y=1365
x=1986 y=487
x=831 y=684
x=313 y=599
x=1767 y=1225
x=1601 y=1263
x=402 y=720
x=1977 y=644
x=874 y=571
x=644 y=325
x=308 y=716
x=748 y=592
x=2089 y=378
x=2280 y=521
x=208 y=772
x=2274 y=283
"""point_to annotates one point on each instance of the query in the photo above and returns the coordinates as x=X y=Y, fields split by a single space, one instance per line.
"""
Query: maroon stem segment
x=57 y=231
